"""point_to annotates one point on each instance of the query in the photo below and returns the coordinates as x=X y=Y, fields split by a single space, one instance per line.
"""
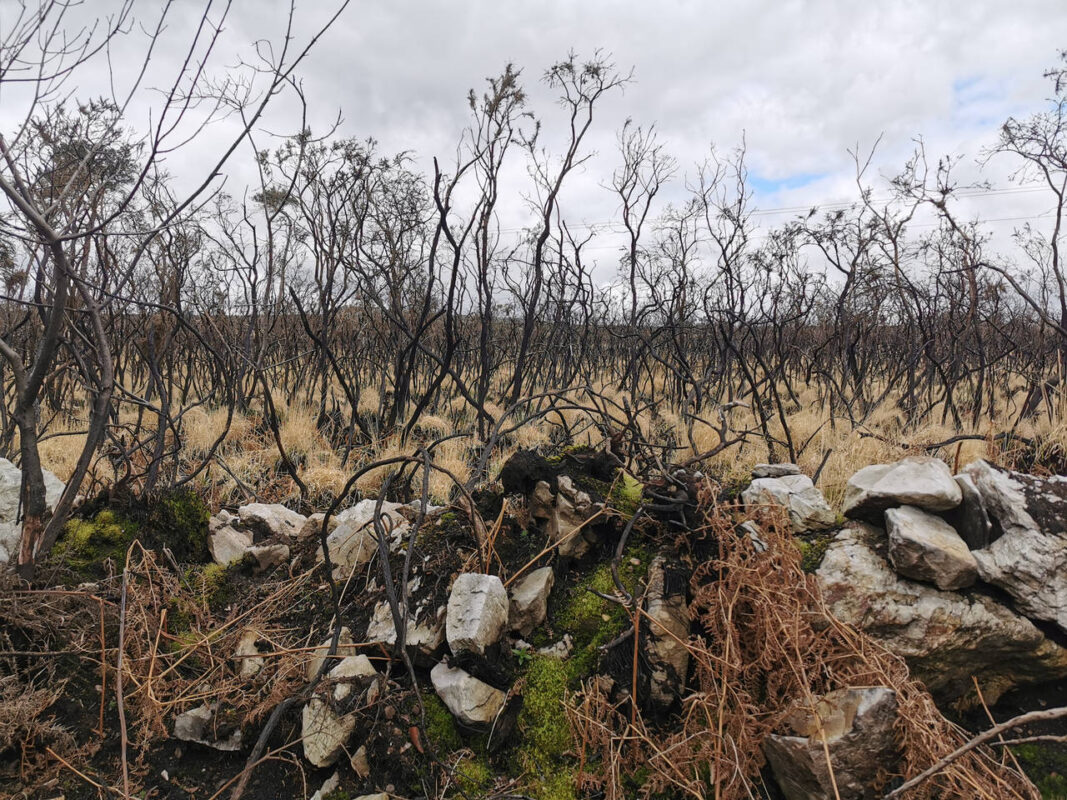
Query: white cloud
x=803 y=82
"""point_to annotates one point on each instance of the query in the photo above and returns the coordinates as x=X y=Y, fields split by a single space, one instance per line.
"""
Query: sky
x=800 y=83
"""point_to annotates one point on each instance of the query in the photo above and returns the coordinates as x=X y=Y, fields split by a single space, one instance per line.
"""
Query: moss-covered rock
x=813 y=548
x=86 y=544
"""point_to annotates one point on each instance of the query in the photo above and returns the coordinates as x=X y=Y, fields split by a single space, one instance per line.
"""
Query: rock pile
x=962 y=575
x=915 y=567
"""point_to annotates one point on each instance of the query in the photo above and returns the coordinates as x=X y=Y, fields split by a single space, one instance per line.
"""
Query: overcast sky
x=801 y=82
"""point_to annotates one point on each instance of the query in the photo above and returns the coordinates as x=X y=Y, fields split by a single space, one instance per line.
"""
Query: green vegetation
x=626 y=494
x=583 y=616
x=213 y=583
x=546 y=734
x=178 y=520
x=813 y=548
x=474 y=776
x=1046 y=764
x=87 y=543
x=440 y=726
x=556 y=786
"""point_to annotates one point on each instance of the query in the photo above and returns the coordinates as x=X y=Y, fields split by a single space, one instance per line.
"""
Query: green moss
x=474 y=776
x=212 y=582
x=545 y=744
x=440 y=726
x=583 y=615
x=556 y=786
x=813 y=548
x=86 y=543
x=545 y=732
x=178 y=520
x=626 y=494
x=1046 y=765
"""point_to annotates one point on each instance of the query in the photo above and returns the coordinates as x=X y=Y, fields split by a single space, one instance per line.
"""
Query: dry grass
x=767 y=647
x=247 y=462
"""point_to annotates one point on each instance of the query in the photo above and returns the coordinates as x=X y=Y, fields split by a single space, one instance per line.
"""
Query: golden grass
x=249 y=456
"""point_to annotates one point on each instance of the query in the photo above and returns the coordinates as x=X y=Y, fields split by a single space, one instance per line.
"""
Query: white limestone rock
x=946 y=637
x=926 y=548
x=528 y=605
x=268 y=520
x=1027 y=552
x=919 y=481
x=10 y=490
x=807 y=507
x=471 y=701
x=477 y=614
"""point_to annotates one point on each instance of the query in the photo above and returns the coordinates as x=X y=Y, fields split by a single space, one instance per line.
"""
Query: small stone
x=470 y=700
x=196 y=725
x=528 y=607
x=345 y=647
x=347 y=668
x=359 y=762
x=324 y=733
x=477 y=613
x=329 y=786
x=249 y=662
x=774 y=470
x=426 y=634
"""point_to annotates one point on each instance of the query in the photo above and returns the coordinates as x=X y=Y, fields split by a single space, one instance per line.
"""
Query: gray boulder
x=774 y=470
x=855 y=728
x=914 y=481
x=268 y=520
x=1027 y=552
x=946 y=637
x=807 y=507
x=471 y=701
x=353 y=542
x=926 y=548
x=477 y=613
x=10 y=490
x=528 y=606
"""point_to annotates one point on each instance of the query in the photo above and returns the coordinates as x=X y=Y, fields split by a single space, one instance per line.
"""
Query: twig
x=978 y=741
